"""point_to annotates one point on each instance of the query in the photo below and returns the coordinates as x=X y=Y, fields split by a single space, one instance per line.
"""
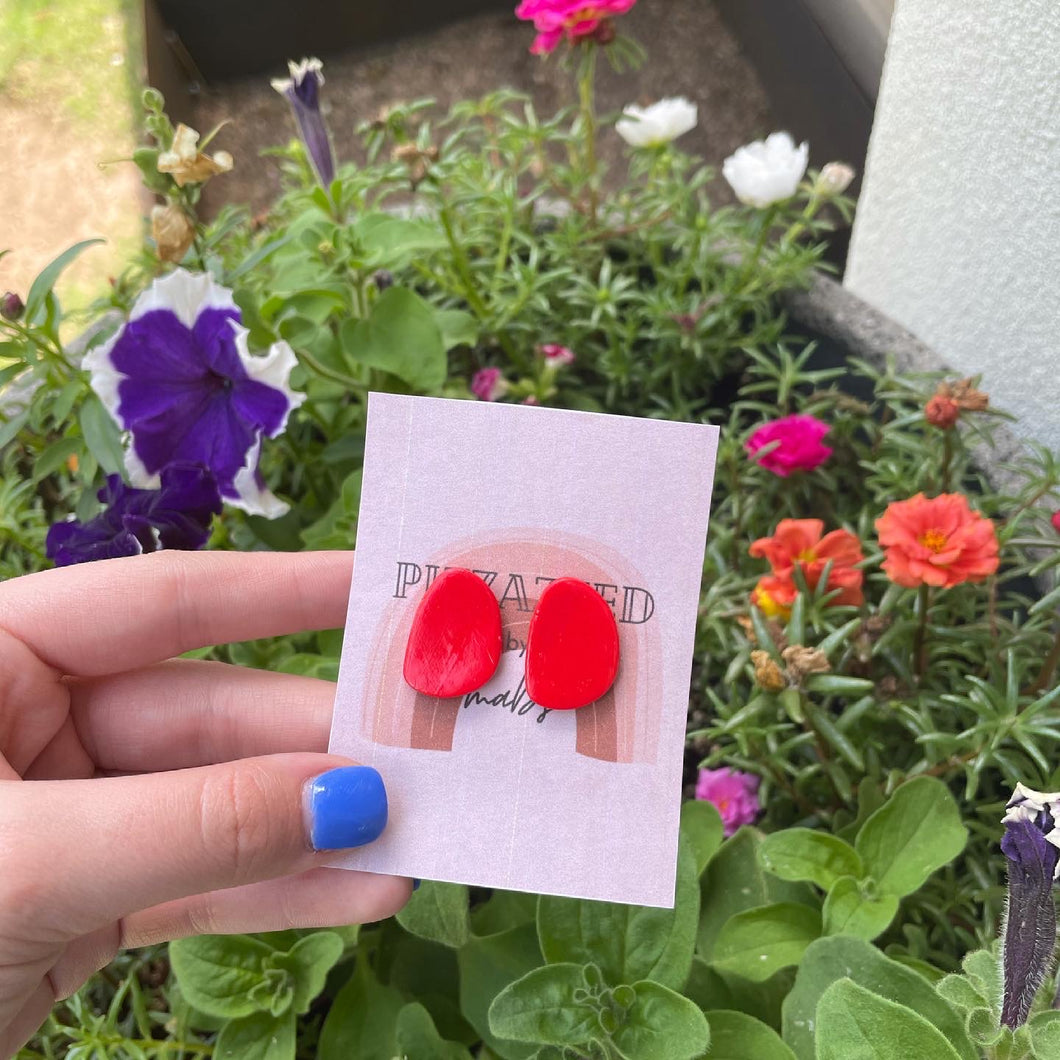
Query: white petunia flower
x=658 y=124
x=766 y=171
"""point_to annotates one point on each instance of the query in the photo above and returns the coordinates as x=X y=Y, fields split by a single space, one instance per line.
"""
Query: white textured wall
x=957 y=233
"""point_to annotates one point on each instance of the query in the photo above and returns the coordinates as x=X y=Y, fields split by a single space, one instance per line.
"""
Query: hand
x=142 y=799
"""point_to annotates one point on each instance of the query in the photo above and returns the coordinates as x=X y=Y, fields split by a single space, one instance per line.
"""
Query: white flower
x=658 y=124
x=766 y=171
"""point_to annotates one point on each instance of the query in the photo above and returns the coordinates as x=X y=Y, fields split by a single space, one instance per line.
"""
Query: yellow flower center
x=586 y=14
x=934 y=540
x=807 y=555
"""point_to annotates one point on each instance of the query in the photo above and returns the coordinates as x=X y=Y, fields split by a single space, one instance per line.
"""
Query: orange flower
x=799 y=542
x=936 y=541
x=774 y=596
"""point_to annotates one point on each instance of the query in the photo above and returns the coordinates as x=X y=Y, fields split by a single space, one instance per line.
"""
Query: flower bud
x=835 y=178
x=383 y=279
x=942 y=412
x=11 y=306
x=802 y=661
x=1030 y=844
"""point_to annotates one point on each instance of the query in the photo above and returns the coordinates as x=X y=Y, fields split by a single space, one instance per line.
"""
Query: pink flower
x=735 y=795
x=573 y=19
x=556 y=355
x=1056 y=521
x=487 y=384
x=799 y=448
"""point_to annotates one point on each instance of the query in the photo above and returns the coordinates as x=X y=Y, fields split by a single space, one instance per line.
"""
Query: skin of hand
x=145 y=797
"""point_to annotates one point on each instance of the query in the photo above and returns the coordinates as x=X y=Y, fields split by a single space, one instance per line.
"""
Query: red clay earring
x=572 y=647
x=455 y=641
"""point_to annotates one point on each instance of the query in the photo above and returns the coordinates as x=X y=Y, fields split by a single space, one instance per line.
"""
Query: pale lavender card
x=489 y=789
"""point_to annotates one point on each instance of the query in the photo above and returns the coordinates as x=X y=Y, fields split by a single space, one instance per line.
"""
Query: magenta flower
x=796 y=444
x=556 y=355
x=573 y=19
x=734 y=794
x=487 y=384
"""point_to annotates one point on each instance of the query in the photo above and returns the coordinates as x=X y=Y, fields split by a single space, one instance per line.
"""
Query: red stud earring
x=454 y=645
x=572 y=646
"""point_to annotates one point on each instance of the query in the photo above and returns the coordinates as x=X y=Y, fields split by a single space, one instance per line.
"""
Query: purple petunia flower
x=180 y=378
x=177 y=515
x=1032 y=845
x=302 y=90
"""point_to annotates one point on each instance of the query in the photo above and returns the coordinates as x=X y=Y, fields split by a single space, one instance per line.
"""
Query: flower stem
x=1045 y=675
x=947 y=459
x=329 y=373
x=920 y=641
x=768 y=216
x=587 y=125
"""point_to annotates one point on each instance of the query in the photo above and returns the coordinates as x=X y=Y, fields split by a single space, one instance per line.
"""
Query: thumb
x=84 y=853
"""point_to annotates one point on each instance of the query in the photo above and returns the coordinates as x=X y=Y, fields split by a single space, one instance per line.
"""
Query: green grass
x=77 y=64
x=79 y=58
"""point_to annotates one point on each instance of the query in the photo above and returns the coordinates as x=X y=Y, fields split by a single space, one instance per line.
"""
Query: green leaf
x=362 y=1020
x=855 y=1024
x=842 y=957
x=390 y=241
x=218 y=972
x=457 y=327
x=308 y=963
x=438 y=912
x=260 y=1036
x=486 y=966
x=1044 y=1032
x=959 y=991
x=337 y=527
x=803 y=854
x=45 y=281
x=400 y=337
x=917 y=831
x=102 y=435
x=54 y=457
x=856 y=908
x=626 y=942
x=737 y=1036
x=735 y=881
x=661 y=1023
x=428 y=972
x=758 y=942
x=702 y=829
x=707 y=988
x=418 y=1038
x=503 y=911
x=540 y=1008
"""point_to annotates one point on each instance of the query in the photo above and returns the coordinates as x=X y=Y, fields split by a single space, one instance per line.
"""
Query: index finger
x=111 y=615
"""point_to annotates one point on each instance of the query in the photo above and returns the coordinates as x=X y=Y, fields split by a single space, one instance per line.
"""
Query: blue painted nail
x=416 y=884
x=347 y=808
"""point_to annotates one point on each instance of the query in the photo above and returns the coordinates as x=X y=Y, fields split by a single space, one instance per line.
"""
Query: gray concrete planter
x=830 y=310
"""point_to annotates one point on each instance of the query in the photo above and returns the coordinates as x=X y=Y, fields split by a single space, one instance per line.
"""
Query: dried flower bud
x=835 y=178
x=172 y=231
x=1030 y=844
x=768 y=675
x=604 y=33
x=951 y=399
x=801 y=662
x=383 y=279
x=11 y=306
x=416 y=159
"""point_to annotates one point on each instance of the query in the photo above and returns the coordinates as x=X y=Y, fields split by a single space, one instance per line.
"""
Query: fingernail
x=416 y=884
x=346 y=808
